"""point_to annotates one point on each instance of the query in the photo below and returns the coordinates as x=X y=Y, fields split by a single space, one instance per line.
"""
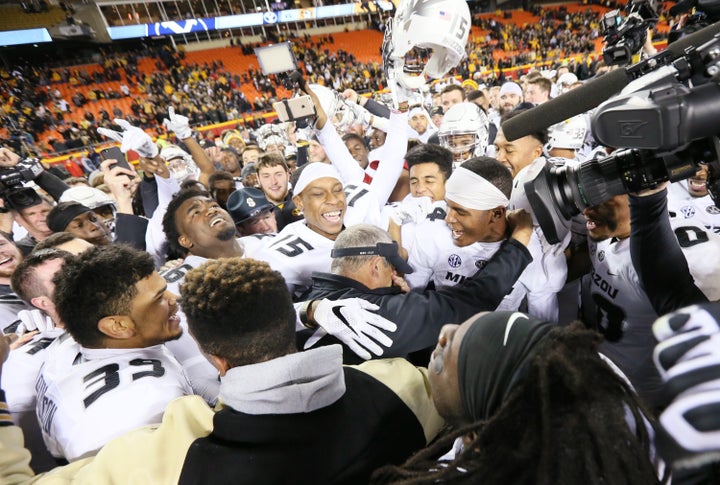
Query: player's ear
x=298 y=202
x=117 y=327
x=185 y=242
x=498 y=213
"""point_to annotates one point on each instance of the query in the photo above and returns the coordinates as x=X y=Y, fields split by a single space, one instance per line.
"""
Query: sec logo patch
x=688 y=211
x=454 y=261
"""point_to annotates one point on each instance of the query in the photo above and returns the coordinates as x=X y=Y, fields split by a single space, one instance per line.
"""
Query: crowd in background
x=208 y=93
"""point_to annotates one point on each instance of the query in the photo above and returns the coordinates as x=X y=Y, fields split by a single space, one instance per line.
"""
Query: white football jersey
x=296 y=252
x=104 y=394
x=436 y=258
x=253 y=243
x=701 y=247
x=697 y=211
x=21 y=369
x=551 y=259
x=362 y=206
x=617 y=305
x=10 y=305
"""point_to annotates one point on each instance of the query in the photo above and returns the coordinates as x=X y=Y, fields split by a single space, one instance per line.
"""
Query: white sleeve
x=339 y=155
x=420 y=261
x=203 y=376
x=393 y=157
x=544 y=277
x=155 y=237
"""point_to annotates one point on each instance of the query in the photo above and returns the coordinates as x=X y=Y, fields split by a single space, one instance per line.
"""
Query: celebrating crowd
x=364 y=295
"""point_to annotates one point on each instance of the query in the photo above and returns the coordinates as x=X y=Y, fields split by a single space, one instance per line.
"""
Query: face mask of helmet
x=271 y=134
x=180 y=163
x=464 y=131
x=276 y=140
x=433 y=33
x=338 y=112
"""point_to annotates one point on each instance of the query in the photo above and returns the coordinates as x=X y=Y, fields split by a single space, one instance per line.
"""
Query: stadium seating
x=12 y=17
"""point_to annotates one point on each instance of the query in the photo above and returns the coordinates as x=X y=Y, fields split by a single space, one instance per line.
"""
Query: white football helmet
x=180 y=163
x=464 y=131
x=442 y=26
x=94 y=199
x=88 y=196
x=340 y=114
x=271 y=134
x=569 y=134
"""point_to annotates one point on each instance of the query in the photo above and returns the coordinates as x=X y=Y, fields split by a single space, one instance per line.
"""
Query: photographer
x=28 y=209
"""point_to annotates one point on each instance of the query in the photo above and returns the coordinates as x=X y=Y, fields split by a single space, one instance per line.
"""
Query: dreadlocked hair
x=567 y=422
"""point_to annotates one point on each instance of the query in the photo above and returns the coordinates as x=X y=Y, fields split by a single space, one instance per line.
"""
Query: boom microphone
x=592 y=93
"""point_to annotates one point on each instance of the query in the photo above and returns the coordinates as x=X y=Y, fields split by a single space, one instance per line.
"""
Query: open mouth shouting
x=333 y=217
x=218 y=219
x=697 y=186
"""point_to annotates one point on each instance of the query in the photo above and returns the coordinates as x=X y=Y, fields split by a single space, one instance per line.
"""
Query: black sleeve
x=130 y=229
x=148 y=191
x=657 y=257
x=420 y=315
x=302 y=154
x=377 y=109
x=51 y=184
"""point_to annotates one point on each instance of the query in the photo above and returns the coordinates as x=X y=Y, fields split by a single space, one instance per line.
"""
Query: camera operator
x=28 y=209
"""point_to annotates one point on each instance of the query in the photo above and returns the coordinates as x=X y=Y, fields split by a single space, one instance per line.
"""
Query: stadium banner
x=25 y=36
x=182 y=26
x=238 y=21
x=330 y=11
x=128 y=31
x=174 y=27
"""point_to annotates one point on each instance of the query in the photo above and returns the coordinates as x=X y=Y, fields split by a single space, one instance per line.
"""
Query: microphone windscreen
x=594 y=92
x=567 y=105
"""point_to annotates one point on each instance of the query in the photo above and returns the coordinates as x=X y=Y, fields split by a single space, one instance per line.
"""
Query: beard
x=227 y=234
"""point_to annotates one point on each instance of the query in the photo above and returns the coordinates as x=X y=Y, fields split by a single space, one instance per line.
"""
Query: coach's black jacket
x=419 y=315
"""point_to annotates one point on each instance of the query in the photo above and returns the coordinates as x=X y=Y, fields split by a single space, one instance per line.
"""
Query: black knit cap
x=494 y=357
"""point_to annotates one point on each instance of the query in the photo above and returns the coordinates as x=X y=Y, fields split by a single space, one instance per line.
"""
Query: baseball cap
x=246 y=203
x=247 y=170
x=388 y=251
x=62 y=215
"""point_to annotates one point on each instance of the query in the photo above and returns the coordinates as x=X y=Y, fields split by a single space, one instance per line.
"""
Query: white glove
x=32 y=320
x=132 y=138
x=412 y=210
x=367 y=118
x=688 y=359
x=178 y=124
x=352 y=322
